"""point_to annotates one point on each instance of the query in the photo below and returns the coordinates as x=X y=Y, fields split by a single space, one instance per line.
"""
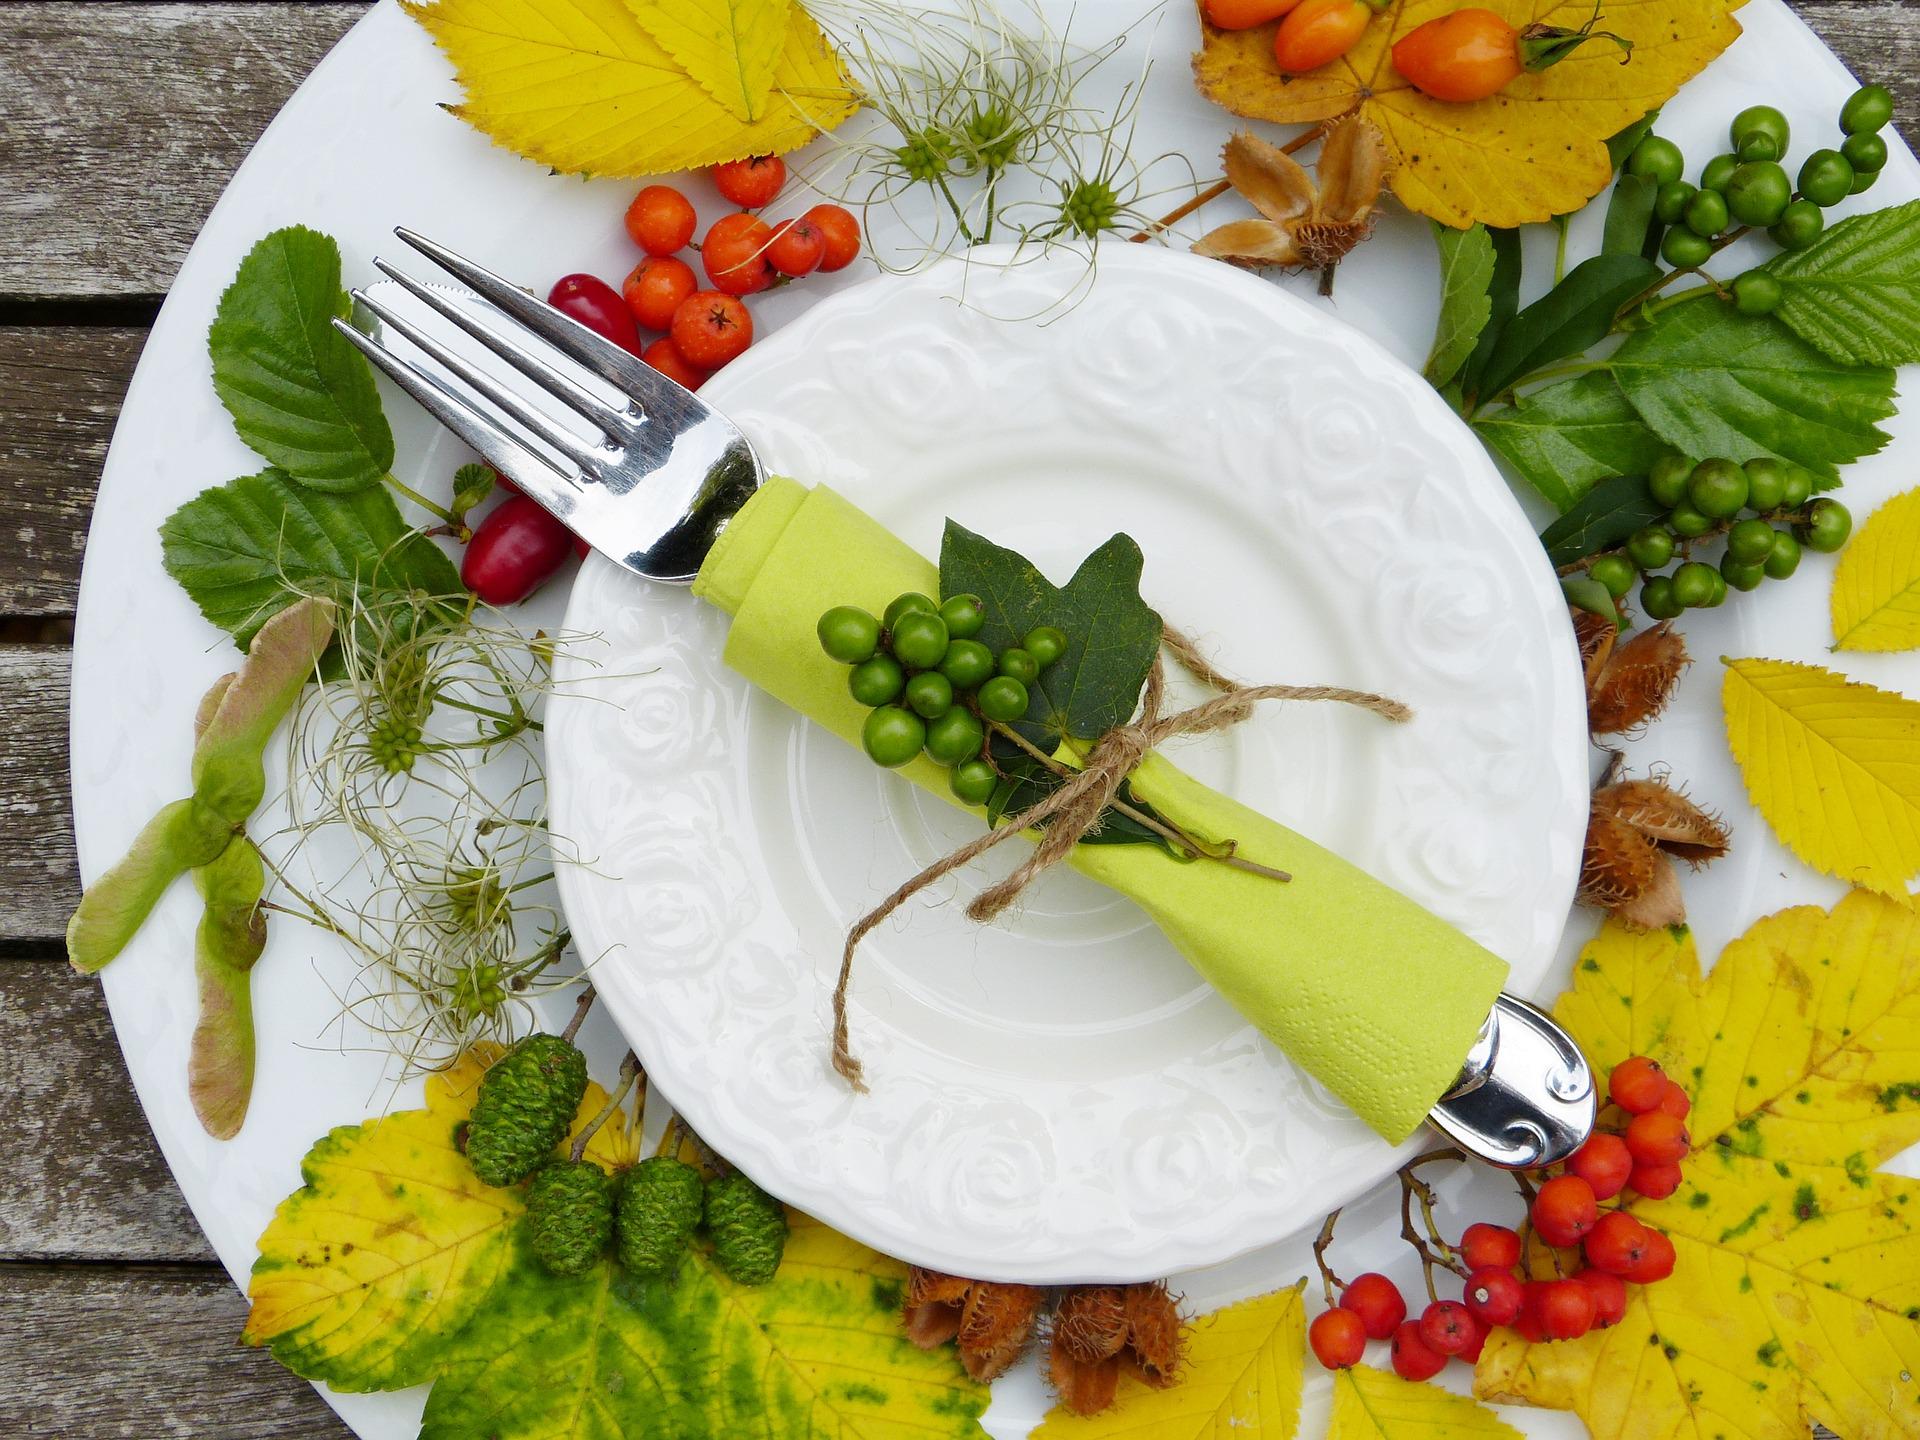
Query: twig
x=629 y=1068
x=1434 y=1252
x=1328 y=1280
x=580 y=1009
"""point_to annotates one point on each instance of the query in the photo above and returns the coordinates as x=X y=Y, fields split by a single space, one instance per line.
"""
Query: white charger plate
x=359 y=148
x=1058 y=1097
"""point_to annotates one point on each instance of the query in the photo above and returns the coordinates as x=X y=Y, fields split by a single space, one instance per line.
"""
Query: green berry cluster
x=932 y=686
x=1748 y=187
x=1761 y=507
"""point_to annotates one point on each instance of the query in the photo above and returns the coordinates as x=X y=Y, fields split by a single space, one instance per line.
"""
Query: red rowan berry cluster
x=1572 y=1281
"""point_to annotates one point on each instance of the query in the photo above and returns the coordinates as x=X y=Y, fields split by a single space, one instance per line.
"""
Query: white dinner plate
x=361 y=147
x=1058 y=1097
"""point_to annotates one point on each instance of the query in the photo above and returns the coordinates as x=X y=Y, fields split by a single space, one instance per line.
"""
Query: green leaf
x=1503 y=301
x=1711 y=381
x=1854 y=294
x=818 y=1353
x=298 y=391
x=1112 y=634
x=472 y=485
x=1566 y=437
x=1027 y=782
x=1574 y=315
x=1629 y=216
x=1466 y=270
x=249 y=548
x=1605 y=516
x=1585 y=593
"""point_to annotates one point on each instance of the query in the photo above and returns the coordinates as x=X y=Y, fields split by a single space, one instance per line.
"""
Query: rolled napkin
x=1367 y=991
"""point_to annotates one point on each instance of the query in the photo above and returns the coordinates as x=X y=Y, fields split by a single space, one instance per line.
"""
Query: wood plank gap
x=84 y=312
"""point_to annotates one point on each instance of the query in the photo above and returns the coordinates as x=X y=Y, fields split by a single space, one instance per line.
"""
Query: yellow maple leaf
x=1795 y=1296
x=1833 y=765
x=1535 y=150
x=1876 y=590
x=372 y=1282
x=602 y=87
x=1242 y=1376
x=1370 y=1404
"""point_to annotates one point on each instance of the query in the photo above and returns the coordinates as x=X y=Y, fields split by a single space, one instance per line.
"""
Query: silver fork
x=668 y=472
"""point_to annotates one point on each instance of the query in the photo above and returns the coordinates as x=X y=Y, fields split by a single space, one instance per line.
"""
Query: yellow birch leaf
x=1833 y=765
x=1795 y=1295
x=1370 y=1404
x=1876 y=590
x=413 y=1241
x=729 y=47
x=586 y=87
x=1242 y=1376
x=1535 y=150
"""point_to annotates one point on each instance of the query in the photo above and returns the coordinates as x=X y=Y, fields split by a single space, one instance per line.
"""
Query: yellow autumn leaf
x=1535 y=150
x=1242 y=1376
x=1833 y=765
x=1795 y=1295
x=601 y=87
x=370 y=1295
x=1876 y=590
x=1370 y=1404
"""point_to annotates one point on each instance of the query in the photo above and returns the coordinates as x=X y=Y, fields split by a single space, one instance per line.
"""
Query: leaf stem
x=580 y=1009
x=1560 y=223
x=446 y=516
x=1328 y=1280
x=629 y=1069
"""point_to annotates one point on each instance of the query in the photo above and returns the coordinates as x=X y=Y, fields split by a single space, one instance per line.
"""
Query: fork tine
x=564 y=333
x=617 y=422
x=545 y=426
x=527 y=468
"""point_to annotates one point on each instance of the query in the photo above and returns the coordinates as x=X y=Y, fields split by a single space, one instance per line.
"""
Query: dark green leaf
x=1629 y=216
x=1112 y=635
x=298 y=391
x=1466 y=270
x=1854 y=294
x=1027 y=782
x=1585 y=593
x=1565 y=437
x=1620 y=146
x=246 y=549
x=1606 y=515
x=1503 y=301
x=1711 y=381
x=1574 y=315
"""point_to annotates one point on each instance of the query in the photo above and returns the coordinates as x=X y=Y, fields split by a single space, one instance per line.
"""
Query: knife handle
x=1525 y=1096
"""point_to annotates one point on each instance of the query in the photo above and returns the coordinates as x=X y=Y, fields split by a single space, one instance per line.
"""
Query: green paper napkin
x=1374 y=995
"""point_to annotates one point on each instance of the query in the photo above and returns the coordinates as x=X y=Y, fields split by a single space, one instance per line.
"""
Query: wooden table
x=121 y=124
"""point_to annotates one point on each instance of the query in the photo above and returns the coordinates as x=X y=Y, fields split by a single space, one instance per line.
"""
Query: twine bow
x=1073 y=809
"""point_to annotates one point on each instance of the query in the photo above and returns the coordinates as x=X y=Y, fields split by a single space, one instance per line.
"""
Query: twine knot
x=1074 y=808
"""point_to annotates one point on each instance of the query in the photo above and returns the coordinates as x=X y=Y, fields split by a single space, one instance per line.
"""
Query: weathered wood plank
x=1879 y=40
x=110 y=1354
x=38 y=884
x=60 y=394
x=124 y=123
x=84 y=1179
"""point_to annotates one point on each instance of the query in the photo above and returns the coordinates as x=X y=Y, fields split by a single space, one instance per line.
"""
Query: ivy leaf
x=602 y=87
x=1112 y=634
x=298 y=392
x=1242 y=1376
x=1797 y=1274
x=1876 y=590
x=1570 y=318
x=1605 y=516
x=1027 y=782
x=1369 y=1404
x=246 y=549
x=1833 y=765
x=1855 y=292
x=1711 y=381
x=1566 y=437
x=1466 y=273
x=1535 y=150
x=393 y=1244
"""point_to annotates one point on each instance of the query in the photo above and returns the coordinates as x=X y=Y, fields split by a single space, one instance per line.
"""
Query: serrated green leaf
x=1569 y=319
x=1466 y=270
x=247 y=549
x=1711 y=381
x=1854 y=293
x=298 y=392
x=1565 y=438
x=1112 y=634
x=1605 y=516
